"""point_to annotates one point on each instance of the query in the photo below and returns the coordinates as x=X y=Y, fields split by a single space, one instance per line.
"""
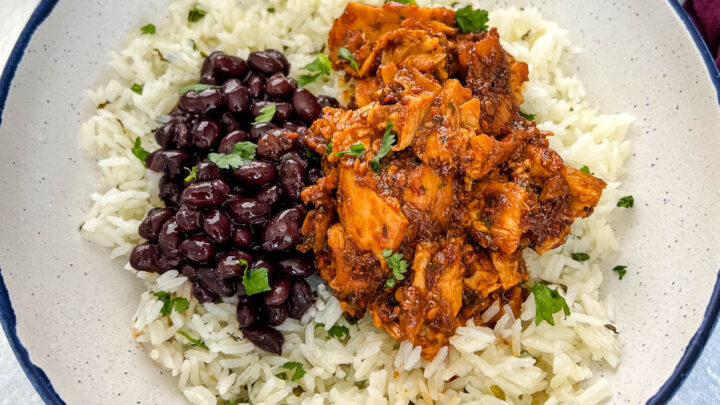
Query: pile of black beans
x=252 y=213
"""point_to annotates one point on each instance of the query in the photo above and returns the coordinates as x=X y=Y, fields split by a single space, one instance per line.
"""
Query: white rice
x=522 y=362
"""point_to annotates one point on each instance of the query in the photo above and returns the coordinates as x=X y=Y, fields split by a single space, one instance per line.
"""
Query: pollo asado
x=434 y=183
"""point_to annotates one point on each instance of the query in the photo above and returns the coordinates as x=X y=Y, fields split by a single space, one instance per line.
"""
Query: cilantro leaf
x=529 y=117
x=194 y=44
x=328 y=149
x=319 y=67
x=387 y=143
x=197 y=88
x=139 y=151
x=626 y=202
x=498 y=392
x=470 y=20
x=242 y=153
x=148 y=29
x=256 y=281
x=585 y=169
x=356 y=150
x=180 y=304
x=579 y=257
x=195 y=14
x=336 y=331
x=621 y=271
x=192 y=175
x=298 y=367
x=398 y=266
x=237 y=402
x=271 y=10
x=344 y=53
x=195 y=342
x=266 y=113
x=402 y=1
x=137 y=88
x=548 y=302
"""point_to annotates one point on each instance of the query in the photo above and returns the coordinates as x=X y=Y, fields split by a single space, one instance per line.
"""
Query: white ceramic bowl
x=68 y=307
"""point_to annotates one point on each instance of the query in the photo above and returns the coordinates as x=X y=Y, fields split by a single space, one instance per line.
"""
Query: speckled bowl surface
x=66 y=308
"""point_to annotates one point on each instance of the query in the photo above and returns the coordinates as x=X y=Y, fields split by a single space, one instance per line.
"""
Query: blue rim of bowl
x=42 y=383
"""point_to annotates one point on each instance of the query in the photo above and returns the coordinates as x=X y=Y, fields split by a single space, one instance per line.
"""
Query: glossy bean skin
x=204 y=102
x=259 y=129
x=230 y=123
x=150 y=227
x=188 y=270
x=207 y=73
x=203 y=294
x=277 y=315
x=170 y=237
x=170 y=190
x=206 y=133
x=283 y=231
x=228 y=265
x=216 y=225
x=228 y=65
x=237 y=96
x=264 y=263
x=249 y=211
x=314 y=174
x=229 y=141
x=265 y=63
x=256 y=173
x=246 y=314
x=279 y=292
x=272 y=144
x=265 y=337
x=170 y=162
x=306 y=105
x=165 y=135
x=207 y=170
x=257 y=106
x=292 y=178
x=269 y=194
x=198 y=249
x=283 y=112
x=183 y=136
x=279 y=87
x=327 y=101
x=297 y=266
x=205 y=193
x=188 y=218
x=281 y=58
x=143 y=257
x=166 y=263
x=221 y=287
x=242 y=237
x=256 y=85
x=301 y=298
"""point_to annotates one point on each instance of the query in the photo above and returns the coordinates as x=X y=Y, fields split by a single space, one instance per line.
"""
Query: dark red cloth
x=706 y=16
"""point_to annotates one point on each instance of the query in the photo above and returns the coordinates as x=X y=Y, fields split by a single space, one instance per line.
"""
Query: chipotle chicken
x=434 y=184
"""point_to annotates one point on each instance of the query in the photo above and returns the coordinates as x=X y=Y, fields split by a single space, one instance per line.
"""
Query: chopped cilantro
x=626 y=202
x=194 y=44
x=293 y=365
x=319 y=67
x=195 y=14
x=470 y=20
x=242 y=153
x=356 y=150
x=580 y=257
x=529 y=117
x=192 y=173
x=137 y=88
x=237 y=401
x=585 y=169
x=398 y=266
x=548 y=302
x=344 y=53
x=139 y=151
x=195 y=342
x=328 y=149
x=271 y=10
x=387 y=143
x=266 y=113
x=255 y=280
x=336 y=331
x=498 y=392
x=148 y=29
x=621 y=271
x=180 y=304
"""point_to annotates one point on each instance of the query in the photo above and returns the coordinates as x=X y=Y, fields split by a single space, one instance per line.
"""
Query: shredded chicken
x=467 y=185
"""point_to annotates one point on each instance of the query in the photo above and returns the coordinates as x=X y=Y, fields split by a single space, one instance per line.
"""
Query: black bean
x=203 y=102
x=269 y=194
x=301 y=298
x=227 y=143
x=143 y=257
x=277 y=315
x=230 y=123
x=188 y=218
x=198 y=249
x=283 y=231
x=283 y=112
x=306 y=105
x=265 y=338
x=165 y=135
x=207 y=74
x=272 y=144
x=292 y=178
x=228 y=265
x=183 y=136
x=170 y=162
x=166 y=263
x=256 y=85
x=203 y=294
x=257 y=130
x=188 y=270
x=257 y=172
x=245 y=314
x=216 y=226
x=265 y=63
x=279 y=56
x=327 y=101
x=278 y=86
x=297 y=266
x=292 y=125
x=314 y=174
x=279 y=292
x=292 y=155
x=242 y=237
x=264 y=263
x=249 y=211
x=207 y=170
x=257 y=106
x=237 y=96
x=206 y=133
x=205 y=193
x=229 y=65
x=150 y=226
x=221 y=287
x=169 y=238
x=170 y=190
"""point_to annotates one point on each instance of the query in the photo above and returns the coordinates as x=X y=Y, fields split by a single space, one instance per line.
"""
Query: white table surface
x=701 y=387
